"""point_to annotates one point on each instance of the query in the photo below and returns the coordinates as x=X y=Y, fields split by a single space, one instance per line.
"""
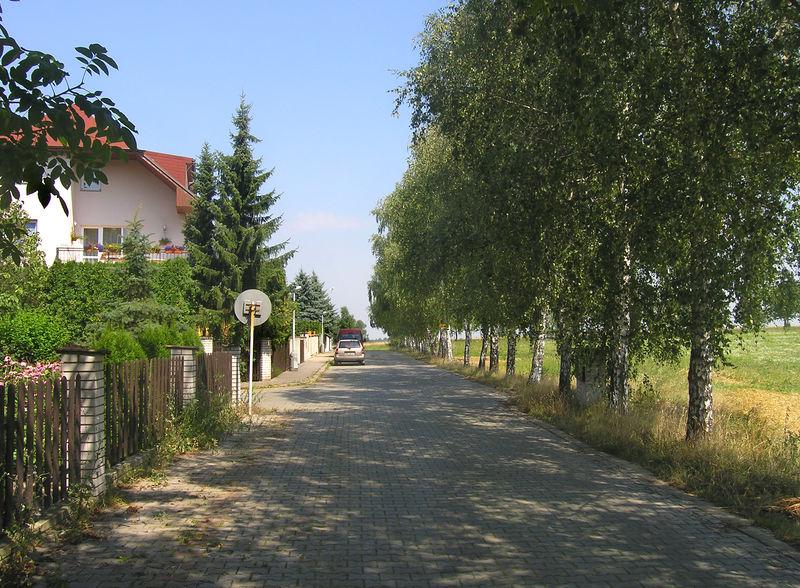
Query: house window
x=90 y=186
x=90 y=240
x=103 y=236
x=31 y=227
x=113 y=235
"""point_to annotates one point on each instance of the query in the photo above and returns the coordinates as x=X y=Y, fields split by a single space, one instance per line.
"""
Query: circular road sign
x=255 y=300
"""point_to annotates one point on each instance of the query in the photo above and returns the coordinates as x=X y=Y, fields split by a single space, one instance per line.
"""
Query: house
x=155 y=186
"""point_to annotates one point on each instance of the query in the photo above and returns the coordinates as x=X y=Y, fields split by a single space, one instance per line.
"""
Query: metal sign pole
x=252 y=307
x=250 y=394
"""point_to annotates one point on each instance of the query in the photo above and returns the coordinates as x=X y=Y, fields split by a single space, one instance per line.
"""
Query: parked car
x=349 y=350
x=350 y=334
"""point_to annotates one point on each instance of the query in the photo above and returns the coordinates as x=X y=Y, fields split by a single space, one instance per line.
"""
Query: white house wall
x=53 y=225
x=131 y=187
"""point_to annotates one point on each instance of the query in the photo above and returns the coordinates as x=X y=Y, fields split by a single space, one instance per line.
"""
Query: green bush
x=189 y=338
x=79 y=293
x=120 y=344
x=154 y=340
x=33 y=335
x=172 y=284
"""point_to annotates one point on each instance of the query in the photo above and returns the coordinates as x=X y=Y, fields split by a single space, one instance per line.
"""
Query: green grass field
x=763 y=375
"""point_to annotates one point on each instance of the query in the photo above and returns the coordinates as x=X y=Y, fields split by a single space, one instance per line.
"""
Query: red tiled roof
x=175 y=170
x=176 y=166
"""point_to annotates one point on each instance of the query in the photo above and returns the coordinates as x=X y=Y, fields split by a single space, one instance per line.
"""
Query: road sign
x=255 y=301
x=252 y=307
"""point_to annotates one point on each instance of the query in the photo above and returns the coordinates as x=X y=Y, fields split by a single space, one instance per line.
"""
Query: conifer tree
x=312 y=299
x=199 y=226
x=244 y=223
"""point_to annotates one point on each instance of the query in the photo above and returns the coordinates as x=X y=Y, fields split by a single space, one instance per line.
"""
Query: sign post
x=252 y=307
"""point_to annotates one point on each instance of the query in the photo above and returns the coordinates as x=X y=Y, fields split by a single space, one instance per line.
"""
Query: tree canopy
x=41 y=108
x=629 y=169
x=228 y=235
x=313 y=300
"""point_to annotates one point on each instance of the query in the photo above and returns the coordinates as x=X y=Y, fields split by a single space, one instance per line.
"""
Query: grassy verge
x=749 y=466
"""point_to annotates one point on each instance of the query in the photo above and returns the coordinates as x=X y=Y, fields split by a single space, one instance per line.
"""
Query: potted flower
x=89 y=247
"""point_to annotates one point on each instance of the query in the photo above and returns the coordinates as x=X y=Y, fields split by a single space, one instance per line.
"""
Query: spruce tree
x=312 y=299
x=244 y=223
x=199 y=227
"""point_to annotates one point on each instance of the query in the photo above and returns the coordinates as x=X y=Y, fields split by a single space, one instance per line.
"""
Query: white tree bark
x=484 y=347
x=494 y=350
x=620 y=357
x=511 y=356
x=537 y=361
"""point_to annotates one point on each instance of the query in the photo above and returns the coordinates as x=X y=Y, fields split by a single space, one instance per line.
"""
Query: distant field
x=764 y=373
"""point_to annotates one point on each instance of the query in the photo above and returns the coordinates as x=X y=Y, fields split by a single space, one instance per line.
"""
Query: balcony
x=82 y=255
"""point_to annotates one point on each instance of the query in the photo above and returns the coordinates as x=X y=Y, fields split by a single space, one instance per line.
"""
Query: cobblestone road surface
x=400 y=474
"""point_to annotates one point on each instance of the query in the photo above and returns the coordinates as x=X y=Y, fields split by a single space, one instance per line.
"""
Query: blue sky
x=318 y=74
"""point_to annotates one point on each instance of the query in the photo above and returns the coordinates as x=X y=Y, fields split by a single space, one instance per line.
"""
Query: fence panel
x=280 y=358
x=215 y=373
x=39 y=445
x=141 y=395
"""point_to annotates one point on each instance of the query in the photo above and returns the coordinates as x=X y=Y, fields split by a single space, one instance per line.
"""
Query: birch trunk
x=701 y=414
x=620 y=357
x=431 y=342
x=511 y=356
x=494 y=350
x=467 y=342
x=484 y=348
x=448 y=343
x=537 y=361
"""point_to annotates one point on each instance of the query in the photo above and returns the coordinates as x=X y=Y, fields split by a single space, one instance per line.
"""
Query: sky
x=319 y=76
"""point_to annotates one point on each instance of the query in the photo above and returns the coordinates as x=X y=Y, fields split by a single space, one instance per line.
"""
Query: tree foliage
x=783 y=303
x=21 y=279
x=199 y=226
x=38 y=103
x=312 y=298
x=228 y=236
x=630 y=169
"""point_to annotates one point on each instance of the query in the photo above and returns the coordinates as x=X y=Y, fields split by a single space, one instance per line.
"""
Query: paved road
x=400 y=474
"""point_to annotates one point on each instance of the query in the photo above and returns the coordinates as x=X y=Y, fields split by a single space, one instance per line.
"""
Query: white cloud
x=320 y=221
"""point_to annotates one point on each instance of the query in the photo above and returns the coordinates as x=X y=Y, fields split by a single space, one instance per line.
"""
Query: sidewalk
x=308 y=371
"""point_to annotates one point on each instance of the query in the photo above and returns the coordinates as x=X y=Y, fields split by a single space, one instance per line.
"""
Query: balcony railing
x=82 y=255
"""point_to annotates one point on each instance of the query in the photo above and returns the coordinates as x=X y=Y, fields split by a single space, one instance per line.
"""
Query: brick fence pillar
x=236 y=354
x=89 y=364
x=265 y=348
x=189 y=356
x=208 y=344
